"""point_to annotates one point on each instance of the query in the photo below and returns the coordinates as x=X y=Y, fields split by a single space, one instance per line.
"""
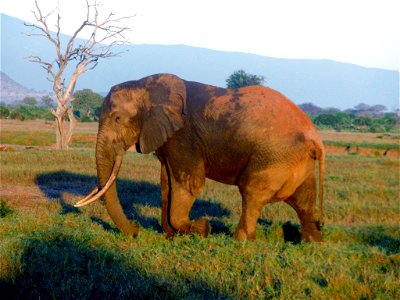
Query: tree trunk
x=64 y=137
x=61 y=134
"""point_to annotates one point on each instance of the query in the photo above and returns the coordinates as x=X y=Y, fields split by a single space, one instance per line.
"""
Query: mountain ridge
x=326 y=83
x=13 y=92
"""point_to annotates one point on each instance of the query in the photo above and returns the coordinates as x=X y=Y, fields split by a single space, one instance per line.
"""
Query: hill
x=12 y=91
x=323 y=82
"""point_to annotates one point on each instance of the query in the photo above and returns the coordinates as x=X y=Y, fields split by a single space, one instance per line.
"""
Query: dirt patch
x=23 y=196
x=28 y=197
x=84 y=138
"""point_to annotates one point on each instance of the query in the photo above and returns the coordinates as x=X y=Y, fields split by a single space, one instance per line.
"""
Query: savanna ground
x=49 y=249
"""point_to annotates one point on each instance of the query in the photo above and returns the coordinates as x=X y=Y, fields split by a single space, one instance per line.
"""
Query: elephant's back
x=271 y=107
x=256 y=112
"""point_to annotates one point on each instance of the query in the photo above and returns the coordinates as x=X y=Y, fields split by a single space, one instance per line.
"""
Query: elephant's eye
x=117 y=119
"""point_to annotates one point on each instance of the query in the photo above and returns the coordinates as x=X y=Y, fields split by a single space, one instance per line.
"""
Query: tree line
x=342 y=121
x=86 y=106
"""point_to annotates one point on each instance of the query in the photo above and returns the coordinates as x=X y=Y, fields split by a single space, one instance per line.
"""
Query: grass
x=42 y=138
x=28 y=138
x=42 y=133
x=49 y=249
x=359 y=138
x=353 y=144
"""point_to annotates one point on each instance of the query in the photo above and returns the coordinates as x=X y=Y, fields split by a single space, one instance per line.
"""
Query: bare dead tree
x=105 y=33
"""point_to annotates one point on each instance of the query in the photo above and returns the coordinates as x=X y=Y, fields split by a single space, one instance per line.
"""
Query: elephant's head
x=145 y=112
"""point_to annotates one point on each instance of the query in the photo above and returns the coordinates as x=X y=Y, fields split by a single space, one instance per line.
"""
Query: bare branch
x=104 y=35
x=43 y=21
x=58 y=28
x=46 y=65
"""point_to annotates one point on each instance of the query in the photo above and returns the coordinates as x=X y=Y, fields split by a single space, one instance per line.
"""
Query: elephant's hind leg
x=253 y=200
x=304 y=203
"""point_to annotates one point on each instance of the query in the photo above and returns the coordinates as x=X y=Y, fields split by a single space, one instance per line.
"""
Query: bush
x=4 y=111
x=241 y=79
x=29 y=112
x=327 y=120
x=5 y=210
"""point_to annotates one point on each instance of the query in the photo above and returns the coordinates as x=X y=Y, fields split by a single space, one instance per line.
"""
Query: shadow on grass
x=59 y=267
x=381 y=237
x=131 y=194
x=291 y=233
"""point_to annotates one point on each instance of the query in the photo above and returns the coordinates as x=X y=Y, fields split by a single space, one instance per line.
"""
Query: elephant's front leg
x=166 y=191
x=181 y=204
x=179 y=188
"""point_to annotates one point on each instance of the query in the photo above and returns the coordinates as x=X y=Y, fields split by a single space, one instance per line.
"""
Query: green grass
x=49 y=249
x=382 y=146
x=44 y=138
x=28 y=138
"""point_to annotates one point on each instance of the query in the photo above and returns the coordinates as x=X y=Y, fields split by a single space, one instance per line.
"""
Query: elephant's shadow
x=131 y=194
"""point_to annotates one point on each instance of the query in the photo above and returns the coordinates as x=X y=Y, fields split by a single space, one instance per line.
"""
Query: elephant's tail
x=321 y=158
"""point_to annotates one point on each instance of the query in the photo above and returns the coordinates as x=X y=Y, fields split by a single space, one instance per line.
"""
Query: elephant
x=252 y=137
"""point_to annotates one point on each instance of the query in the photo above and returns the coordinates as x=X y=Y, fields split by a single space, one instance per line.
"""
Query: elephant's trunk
x=108 y=166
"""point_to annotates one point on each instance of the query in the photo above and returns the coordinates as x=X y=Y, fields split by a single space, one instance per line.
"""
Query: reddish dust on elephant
x=253 y=137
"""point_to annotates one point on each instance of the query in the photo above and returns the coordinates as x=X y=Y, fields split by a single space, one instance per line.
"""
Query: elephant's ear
x=165 y=112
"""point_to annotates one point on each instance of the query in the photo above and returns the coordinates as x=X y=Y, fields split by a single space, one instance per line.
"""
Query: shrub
x=4 y=111
x=241 y=79
x=29 y=112
x=5 y=210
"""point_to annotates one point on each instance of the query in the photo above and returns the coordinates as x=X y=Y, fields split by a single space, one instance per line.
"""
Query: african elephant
x=253 y=137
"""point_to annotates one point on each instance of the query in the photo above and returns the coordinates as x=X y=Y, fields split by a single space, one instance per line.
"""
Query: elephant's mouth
x=97 y=193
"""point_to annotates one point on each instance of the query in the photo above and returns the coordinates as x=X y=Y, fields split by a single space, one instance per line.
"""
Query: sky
x=362 y=32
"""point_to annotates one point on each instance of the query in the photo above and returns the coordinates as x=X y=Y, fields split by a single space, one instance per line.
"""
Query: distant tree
x=378 y=108
x=363 y=121
x=47 y=101
x=331 y=110
x=103 y=35
x=361 y=106
x=86 y=104
x=327 y=120
x=240 y=79
x=391 y=122
x=29 y=101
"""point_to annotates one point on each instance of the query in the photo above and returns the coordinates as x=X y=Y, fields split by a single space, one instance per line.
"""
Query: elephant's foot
x=311 y=233
x=242 y=235
x=200 y=227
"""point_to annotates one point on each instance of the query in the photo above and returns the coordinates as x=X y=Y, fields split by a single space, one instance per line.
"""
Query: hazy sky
x=363 y=32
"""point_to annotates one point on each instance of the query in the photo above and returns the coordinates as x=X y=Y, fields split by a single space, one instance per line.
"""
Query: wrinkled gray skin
x=253 y=137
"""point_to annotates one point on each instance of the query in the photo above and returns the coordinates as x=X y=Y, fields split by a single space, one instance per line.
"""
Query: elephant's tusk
x=95 y=190
x=96 y=194
x=89 y=199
